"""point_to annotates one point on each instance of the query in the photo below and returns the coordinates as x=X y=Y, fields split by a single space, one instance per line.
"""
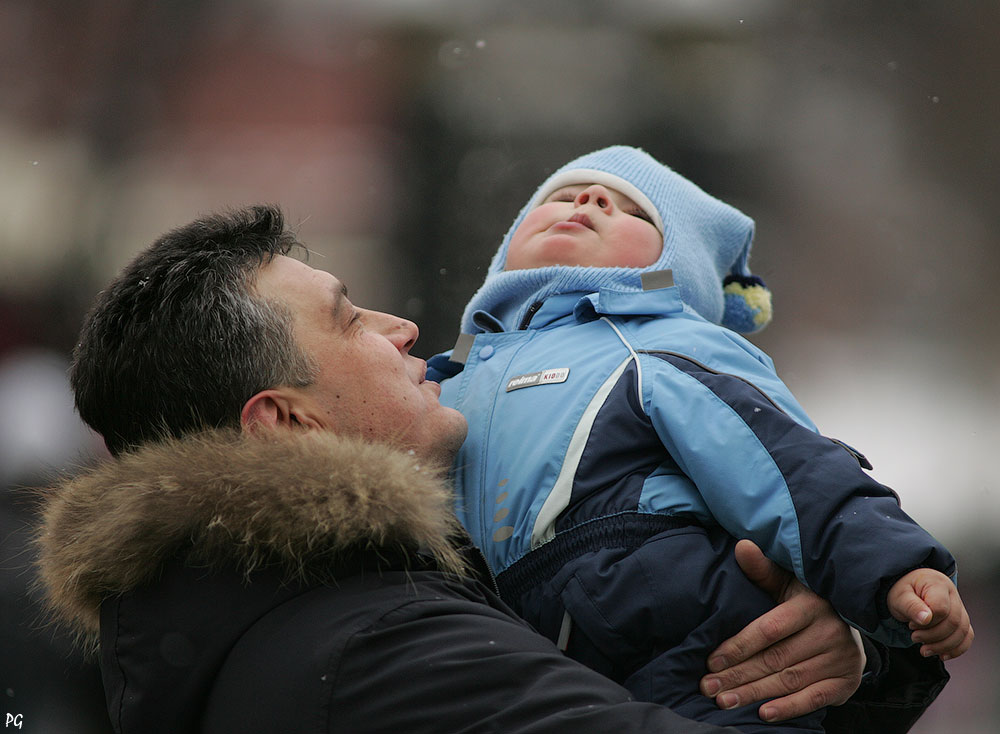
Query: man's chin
x=448 y=440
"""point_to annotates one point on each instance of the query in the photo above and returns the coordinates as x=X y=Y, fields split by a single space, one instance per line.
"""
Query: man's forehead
x=285 y=268
x=285 y=276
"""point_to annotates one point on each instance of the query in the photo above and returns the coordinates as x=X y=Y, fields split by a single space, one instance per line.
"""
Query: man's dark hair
x=180 y=340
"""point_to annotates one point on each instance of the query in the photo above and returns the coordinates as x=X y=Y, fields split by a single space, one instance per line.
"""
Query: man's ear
x=271 y=409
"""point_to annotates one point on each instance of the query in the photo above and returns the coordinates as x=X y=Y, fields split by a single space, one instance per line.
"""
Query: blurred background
x=401 y=138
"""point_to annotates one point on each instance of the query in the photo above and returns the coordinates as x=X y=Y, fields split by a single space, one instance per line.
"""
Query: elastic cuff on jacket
x=876 y=660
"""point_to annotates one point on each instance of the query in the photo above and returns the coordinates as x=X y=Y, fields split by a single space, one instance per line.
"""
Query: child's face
x=585 y=224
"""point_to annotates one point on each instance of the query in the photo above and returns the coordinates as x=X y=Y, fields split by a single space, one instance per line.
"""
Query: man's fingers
x=770 y=660
x=780 y=623
x=773 y=673
x=814 y=685
x=817 y=667
x=759 y=635
x=827 y=693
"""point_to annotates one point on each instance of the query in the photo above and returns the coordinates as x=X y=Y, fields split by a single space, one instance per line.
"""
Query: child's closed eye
x=565 y=194
x=637 y=211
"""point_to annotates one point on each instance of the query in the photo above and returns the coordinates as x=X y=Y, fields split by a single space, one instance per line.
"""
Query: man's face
x=585 y=224
x=368 y=384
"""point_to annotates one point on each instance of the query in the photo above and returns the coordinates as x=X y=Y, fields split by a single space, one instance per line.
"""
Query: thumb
x=758 y=568
x=906 y=606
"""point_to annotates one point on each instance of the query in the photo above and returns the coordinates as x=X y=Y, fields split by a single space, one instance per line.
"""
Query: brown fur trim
x=296 y=500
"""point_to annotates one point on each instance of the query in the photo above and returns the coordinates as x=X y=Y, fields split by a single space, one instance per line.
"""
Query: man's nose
x=401 y=332
x=594 y=194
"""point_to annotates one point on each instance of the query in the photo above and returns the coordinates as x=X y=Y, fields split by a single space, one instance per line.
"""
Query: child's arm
x=929 y=602
x=804 y=499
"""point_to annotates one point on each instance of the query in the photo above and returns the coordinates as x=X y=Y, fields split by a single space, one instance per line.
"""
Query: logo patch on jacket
x=545 y=377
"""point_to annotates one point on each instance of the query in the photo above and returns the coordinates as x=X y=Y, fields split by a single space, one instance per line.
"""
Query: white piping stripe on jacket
x=638 y=364
x=558 y=499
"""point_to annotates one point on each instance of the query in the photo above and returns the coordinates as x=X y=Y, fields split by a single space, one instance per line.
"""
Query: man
x=298 y=566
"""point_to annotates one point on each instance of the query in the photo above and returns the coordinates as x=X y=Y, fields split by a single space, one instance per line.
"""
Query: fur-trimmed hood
x=297 y=502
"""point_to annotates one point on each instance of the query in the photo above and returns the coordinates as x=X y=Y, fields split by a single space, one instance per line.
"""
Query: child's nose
x=594 y=194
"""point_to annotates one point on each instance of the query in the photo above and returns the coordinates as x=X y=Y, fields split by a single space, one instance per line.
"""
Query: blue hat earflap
x=748 y=303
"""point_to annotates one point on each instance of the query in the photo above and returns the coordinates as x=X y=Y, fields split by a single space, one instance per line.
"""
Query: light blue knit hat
x=706 y=243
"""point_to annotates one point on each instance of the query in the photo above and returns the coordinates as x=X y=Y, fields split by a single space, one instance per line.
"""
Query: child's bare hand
x=929 y=602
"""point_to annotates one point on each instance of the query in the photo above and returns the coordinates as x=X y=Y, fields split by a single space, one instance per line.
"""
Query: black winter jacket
x=306 y=584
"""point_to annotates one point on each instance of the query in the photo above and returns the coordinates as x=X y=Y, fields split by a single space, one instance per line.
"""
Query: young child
x=622 y=436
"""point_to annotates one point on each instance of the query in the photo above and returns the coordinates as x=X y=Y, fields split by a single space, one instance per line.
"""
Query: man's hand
x=800 y=652
x=929 y=602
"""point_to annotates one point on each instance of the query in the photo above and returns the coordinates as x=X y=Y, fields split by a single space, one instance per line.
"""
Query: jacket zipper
x=474 y=550
x=532 y=310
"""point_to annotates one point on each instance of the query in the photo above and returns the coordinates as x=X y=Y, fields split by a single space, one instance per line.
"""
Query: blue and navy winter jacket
x=620 y=412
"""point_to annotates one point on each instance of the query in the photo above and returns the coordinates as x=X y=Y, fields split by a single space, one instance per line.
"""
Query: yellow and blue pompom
x=748 y=303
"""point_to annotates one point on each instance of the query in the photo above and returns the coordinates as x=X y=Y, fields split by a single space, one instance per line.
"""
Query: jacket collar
x=615 y=302
x=607 y=301
x=295 y=503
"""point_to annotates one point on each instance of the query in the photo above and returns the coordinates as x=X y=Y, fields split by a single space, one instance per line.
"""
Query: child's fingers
x=906 y=606
x=937 y=634
x=964 y=645
x=952 y=646
x=939 y=599
x=953 y=632
x=929 y=602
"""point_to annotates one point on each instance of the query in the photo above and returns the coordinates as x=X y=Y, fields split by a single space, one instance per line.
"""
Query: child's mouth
x=582 y=219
